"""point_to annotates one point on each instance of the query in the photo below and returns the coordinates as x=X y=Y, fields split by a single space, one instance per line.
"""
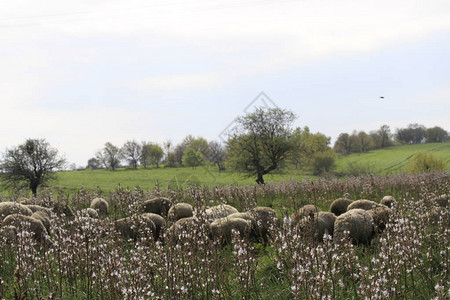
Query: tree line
x=191 y=152
x=261 y=142
x=360 y=141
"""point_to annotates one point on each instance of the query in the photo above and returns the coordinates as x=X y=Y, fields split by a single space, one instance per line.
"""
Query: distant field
x=392 y=160
x=148 y=178
x=385 y=161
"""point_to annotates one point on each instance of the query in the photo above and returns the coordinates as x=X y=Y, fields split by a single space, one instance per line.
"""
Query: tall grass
x=88 y=259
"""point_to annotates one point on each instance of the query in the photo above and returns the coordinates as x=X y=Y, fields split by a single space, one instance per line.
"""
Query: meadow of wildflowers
x=87 y=258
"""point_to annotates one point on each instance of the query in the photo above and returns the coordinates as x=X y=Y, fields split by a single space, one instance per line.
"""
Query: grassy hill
x=385 y=161
x=390 y=160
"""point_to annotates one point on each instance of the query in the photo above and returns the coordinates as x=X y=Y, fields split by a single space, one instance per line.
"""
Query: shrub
x=324 y=162
x=425 y=163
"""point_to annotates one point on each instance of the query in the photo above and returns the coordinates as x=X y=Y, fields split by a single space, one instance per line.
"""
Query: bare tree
x=131 y=151
x=31 y=164
x=93 y=163
x=167 y=146
x=217 y=154
x=109 y=156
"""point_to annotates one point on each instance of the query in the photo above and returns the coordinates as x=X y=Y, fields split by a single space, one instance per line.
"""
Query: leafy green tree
x=436 y=135
x=151 y=154
x=306 y=145
x=31 y=164
x=344 y=144
x=156 y=153
x=413 y=134
x=192 y=158
x=362 y=142
x=171 y=160
x=109 y=156
x=261 y=142
x=382 y=137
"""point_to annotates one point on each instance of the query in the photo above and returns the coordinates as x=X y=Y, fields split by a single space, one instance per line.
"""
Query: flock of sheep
x=359 y=220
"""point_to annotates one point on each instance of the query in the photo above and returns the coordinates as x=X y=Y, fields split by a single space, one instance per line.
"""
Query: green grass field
x=385 y=161
x=392 y=160
x=147 y=179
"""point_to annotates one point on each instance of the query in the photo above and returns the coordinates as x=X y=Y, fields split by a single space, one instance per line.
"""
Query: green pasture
x=384 y=161
x=147 y=179
x=391 y=160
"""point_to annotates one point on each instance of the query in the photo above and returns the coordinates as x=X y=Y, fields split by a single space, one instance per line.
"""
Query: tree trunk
x=33 y=188
x=260 y=179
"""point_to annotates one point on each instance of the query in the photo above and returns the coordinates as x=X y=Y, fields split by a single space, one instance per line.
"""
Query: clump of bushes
x=425 y=163
x=324 y=162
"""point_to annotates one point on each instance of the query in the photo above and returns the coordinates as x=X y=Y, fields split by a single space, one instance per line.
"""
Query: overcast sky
x=86 y=72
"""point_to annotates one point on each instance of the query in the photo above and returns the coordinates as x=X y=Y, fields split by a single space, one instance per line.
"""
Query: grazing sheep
x=380 y=216
x=363 y=204
x=219 y=211
x=181 y=227
x=244 y=215
x=90 y=212
x=33 y=225
x=101 y=206
x=158 y=205
x=44 y=218
x=34 y=208
x=358 y=223
x=248 y=217
x=339 y=206
x=179 y=211
x=324 y=223
x=60 y=208
x=10 y=208
x=221 y=229
x=388 y=201
x=130 y=227
x=159 y=222
x=57 y=207
x=305 y=211
x=321 y=223
x=266 y=219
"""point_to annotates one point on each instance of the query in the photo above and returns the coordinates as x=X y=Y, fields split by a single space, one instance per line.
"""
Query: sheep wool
x=27 y=222
x=44 y=218
x=339 y=206
x=158 y=220
x=388 y=201
x=219 y=211
x=380 y=216
x=10 y=208
x=363 y=204
x=221 y=229
x=158 y=205
x=305 y=211
x=131 y=227
x=101 y=206
x=266 y=219
x=321 y=223
x=358 y=223
x=180 y=210
x=90 y=212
